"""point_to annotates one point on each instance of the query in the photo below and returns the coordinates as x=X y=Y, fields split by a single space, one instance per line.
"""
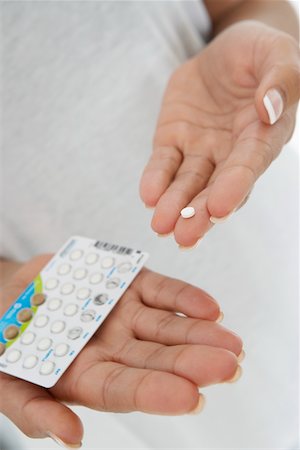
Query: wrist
x=281 y=16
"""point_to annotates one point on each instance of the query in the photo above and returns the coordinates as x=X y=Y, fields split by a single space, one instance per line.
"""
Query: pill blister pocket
x=53 y=319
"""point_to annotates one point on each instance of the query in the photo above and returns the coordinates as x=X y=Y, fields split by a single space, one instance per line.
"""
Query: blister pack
x=53 y=319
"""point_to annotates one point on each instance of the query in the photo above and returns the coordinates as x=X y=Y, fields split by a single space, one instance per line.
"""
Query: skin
x=213 y=133
x=213 y=138
x=144 y=357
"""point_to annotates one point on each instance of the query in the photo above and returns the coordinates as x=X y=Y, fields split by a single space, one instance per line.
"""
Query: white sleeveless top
x=82 y=86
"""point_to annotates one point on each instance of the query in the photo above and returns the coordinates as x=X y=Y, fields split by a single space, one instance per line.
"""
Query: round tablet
x=27 y=338
x=74 y=333
x=88 y=315
x=113 y=283
x=107 y=262
x=70 y=310
x=13 y=356
x=75 y=255
x=24 y=315
x=41 y=321
x=80 y=273
x=67 y=288
x=91 y=258
x=124 y=267
x=57 y=327
x=51 y=283
x=44 y=344
x=83 y=293
x=64 y=269
x=47 y=367
x=187 y=212
x=30 y=361
x=96 y=278
x=11 y=332
x=2 y=348
x=54 y=304
x=61 y=349
x=100 y=299
x=38 y=299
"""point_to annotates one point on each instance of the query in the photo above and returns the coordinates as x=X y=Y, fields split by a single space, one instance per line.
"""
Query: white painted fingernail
x=220 y=219
x=241 y=356
x=220 y=318
x=187 y=212
x=236 y=376
x=273 y=103
x=61 y=442
x=200 y=405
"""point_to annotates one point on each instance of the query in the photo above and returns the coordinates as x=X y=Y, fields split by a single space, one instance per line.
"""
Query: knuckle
x=263 y=156
x=162 y=325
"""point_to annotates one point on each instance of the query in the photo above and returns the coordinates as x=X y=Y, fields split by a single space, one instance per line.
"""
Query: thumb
x=279 y=77
x=37 y=414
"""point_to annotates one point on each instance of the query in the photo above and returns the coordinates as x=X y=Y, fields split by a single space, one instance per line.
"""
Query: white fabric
x=82 y=85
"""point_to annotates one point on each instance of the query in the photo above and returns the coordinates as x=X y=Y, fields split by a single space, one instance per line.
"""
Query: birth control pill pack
x=54 y=318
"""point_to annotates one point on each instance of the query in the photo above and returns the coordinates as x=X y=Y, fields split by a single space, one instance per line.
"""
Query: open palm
x=213 y=138
x=144 y=357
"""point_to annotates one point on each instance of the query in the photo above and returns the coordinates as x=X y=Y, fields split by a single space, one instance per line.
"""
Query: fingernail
x=148 y=207
x=273 y=103
x=236 y=376
x=220 y=219
x=220 y=318
x=60 y=442
x=200 y=406
x=184 y=248
x=164 y=235
x=241 y=356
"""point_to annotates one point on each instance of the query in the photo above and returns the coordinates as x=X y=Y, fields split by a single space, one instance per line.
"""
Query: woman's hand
x=225 y=116
x=143 y=358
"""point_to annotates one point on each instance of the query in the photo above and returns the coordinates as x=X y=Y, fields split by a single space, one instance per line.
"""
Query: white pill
x=54 y=304
x=30 y=362
x=44 y=344
x=47 y=367
x=96 y=278
x=61 y=349
x=41 y=321
x=187 y=212
x=51 y=283
x=13 y=356
x=67 y=288
x=91 y=258
x=83 y=293
x=76 y=254
x=58 y=326
x=107 y=262
x=28 y=338
x=80 y=274
x=70 y=310
x=64 y=269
